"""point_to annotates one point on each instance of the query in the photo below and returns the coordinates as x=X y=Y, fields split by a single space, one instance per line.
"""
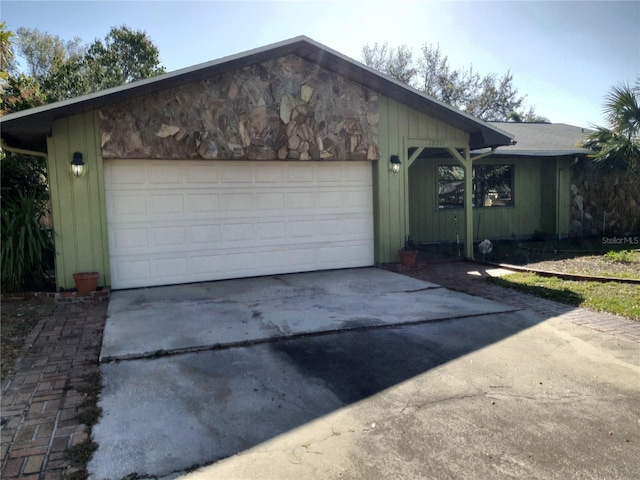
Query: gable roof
x=543 y=139
x=29 y=128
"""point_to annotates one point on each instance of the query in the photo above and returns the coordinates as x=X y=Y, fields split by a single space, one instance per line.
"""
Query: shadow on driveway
x=165 y=415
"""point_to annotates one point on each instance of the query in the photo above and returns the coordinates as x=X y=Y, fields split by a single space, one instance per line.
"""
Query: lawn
x=612 y=297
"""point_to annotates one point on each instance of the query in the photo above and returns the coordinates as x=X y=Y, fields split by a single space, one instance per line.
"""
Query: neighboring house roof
x=543 y=139
x=28 y=128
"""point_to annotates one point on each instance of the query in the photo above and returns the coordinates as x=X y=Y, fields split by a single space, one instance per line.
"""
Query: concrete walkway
x=39 y=408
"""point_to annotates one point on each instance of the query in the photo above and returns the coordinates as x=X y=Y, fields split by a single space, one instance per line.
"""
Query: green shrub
x=622 y=256
x=25 y=243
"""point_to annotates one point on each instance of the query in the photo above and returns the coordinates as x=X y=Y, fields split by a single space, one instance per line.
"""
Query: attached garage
x=191 y=221
x=277 y=160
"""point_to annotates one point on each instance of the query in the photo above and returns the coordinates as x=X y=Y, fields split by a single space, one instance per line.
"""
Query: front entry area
x=172 y=222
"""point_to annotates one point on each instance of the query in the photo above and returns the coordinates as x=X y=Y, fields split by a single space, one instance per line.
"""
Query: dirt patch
x=18 y=319
x=575 y=257
x=590 y=265
x=604 y=265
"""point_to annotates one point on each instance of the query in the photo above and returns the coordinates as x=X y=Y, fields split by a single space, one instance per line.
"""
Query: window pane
x=450 y=186
x=492 y=186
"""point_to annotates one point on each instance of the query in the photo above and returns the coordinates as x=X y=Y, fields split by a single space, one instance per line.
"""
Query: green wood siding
x=564 y=196
x=392 y=221
x=429 y=224
x=548 y=196
x=78 y=204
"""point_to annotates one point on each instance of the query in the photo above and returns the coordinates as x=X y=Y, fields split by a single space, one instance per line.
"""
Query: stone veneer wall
x=604 y=204
x=281 y=109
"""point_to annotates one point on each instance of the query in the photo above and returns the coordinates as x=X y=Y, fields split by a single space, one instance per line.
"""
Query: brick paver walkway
x=463 y=277
x=40 y=403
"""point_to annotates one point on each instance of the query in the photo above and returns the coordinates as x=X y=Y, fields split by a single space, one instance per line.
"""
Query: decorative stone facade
x=604 y=204
x=281 y=109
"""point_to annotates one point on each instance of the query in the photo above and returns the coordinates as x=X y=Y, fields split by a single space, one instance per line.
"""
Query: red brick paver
x=463 y=277
x=40 y=401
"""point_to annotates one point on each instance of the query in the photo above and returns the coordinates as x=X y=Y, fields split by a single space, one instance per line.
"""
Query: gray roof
x=28 y=128
x=542 y=139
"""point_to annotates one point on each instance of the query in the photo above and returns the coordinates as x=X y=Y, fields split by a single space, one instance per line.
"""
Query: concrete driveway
x=358 y=374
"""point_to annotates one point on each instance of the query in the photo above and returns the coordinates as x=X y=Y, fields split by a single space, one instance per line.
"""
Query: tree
x=62 y=69
x=490 y=97
x=396 y=63
x=43 y=52
x=20 y=92
x=7 y=58
x=124 y=56
x=617 y=146
x=526 y=117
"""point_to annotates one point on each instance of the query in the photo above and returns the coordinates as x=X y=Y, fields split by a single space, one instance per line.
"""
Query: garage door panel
x=127 y=174
x=197 y=221
x=326 y=172
x=299 y=201
x=208 y=203
x=271 y=231
x=131 y=270
x=357 y=199
x=299 y=229
x=237 y=202
x=203 y=235
x=239 y=173
x=269 y=201
x=241 y=232
x=239 y=263
x=299 y=174
x=357 y=227
x=123 y=205
x=170 y=236
x=129 y=239
x=165 y=174
x=270 y=174
x=171 y=268
x=202 y=174
x=201 y=266
x=163 y=204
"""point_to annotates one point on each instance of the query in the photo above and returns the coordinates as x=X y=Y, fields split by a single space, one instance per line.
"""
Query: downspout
x=5 y=147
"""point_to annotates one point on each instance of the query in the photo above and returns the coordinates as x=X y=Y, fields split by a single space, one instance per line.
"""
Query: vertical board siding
x=429 y=224
x=78 y=203
x=548 y=197
x=397 y=123
x=564 y=197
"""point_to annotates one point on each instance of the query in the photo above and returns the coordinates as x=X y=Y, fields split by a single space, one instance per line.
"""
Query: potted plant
x=408 y=253
x=86 y=282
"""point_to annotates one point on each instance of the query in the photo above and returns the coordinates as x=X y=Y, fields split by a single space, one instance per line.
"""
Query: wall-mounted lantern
x=395 y=163
x=77 y=164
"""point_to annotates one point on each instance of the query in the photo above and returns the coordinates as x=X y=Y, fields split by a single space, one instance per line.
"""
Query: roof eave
x=37 y=122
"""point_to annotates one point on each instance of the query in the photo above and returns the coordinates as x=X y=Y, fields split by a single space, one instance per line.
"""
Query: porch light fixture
x=77 y=164
x=395 y=163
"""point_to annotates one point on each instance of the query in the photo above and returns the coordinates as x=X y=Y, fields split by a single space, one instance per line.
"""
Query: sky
x=565 y=56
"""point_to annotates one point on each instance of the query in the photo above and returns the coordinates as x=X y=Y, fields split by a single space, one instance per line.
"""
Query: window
x=492 y=186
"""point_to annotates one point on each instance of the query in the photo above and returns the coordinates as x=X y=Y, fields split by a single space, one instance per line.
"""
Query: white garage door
x=189 y=221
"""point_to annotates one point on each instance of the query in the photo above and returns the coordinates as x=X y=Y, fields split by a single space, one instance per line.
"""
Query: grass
x=88 y=413
x=622 y=256
x=611 y=297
